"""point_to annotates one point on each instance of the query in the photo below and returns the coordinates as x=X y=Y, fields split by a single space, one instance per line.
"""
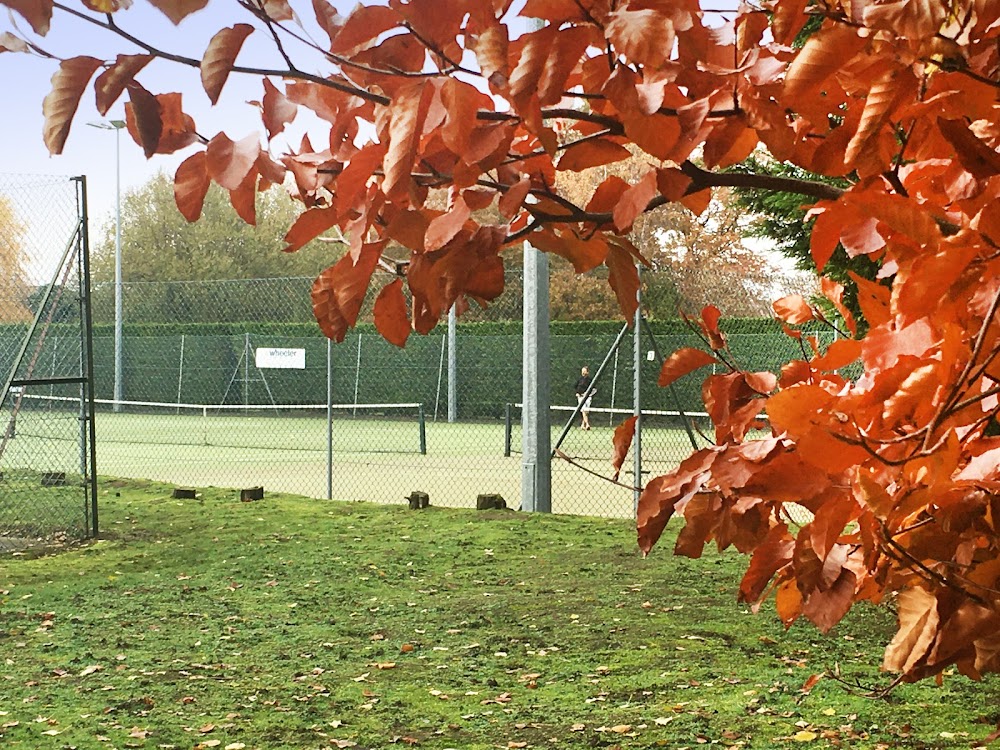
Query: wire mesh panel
x=201 y=408
x=46 y=479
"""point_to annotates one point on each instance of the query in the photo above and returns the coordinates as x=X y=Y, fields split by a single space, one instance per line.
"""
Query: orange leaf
x=491 y=48
x=623 y=278
x=61 y=102
x=443 y=229
x=38 y=13
x=310 y=225
x=585 y=255
x=362 y=27
x=112 y=82
x=218 y=60
x=327 y=18
x=788 y=602
x=510 y=202
x=825 y=237
x=793 y=309
x=710 y=317
x=822 y=56
x=592 y=153
x=390 y=314
x=338 y=291
x=229 y=162
x=682 y=362
x=840 y=353
x=276 y=109
x=191 y=185
x=461 y=101
x=142 y=117
x=622 y=442
x=11 y=43
x=178 y=10
x=981 y=161
x=891 y=86
x=634 y=201
x=835 y=293
x=244 y=198
x=157 y=123
x=772 y=554
x=407 y=113
x=644 y=36
x=918 y=627
x=665 y=494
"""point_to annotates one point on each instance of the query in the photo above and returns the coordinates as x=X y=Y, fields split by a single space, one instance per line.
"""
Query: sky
x=91 y=151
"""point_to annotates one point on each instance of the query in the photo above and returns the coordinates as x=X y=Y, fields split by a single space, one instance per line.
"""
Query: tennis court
x=373 y=458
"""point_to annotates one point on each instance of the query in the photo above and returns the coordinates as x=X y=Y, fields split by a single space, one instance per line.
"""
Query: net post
x=506 y=429
x=423 y=429
x=329 y=420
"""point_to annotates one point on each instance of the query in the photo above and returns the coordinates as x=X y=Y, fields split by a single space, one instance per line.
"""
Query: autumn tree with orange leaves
x=898 y=465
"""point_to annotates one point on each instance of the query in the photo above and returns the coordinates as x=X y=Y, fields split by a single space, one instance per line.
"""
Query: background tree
x=780 y=218
x=899 y=99
x=159 y=244
x=15 y=290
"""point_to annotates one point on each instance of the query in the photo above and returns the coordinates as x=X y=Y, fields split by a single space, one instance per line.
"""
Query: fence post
x=536 y=437
x=329 y=420
x=357 y=377
x=423 y=429
x=180 y=373
x=506 y=429
x=452 y=367
x=637 y=397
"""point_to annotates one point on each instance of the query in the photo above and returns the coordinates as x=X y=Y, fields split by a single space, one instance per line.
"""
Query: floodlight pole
x=117 y=126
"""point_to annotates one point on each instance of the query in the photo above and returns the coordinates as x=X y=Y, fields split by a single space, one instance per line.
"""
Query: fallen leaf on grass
x=809 y=684
x=663 y=720
x=52 y=732
x=235 y=746
x=361 y=678
x=578 y=727
x=517 y=744
x=386 y=665
x=406 y=648
x=502 y=698
x=90 y=670
x=804 y=736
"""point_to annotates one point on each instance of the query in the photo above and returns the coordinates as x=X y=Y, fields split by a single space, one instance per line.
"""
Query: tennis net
x=352 y=428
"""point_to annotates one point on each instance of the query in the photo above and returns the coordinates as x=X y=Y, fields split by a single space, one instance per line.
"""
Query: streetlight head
x=108 y=124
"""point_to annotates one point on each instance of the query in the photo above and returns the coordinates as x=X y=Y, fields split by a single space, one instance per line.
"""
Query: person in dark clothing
x=584 y=395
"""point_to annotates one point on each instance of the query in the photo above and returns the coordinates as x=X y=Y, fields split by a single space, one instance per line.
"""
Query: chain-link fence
x=47 y=488
x=228 y=383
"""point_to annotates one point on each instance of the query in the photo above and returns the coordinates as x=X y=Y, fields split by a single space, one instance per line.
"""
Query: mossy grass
x=295 y=623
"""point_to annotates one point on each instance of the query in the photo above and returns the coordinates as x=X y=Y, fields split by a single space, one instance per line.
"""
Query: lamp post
x=117 y=125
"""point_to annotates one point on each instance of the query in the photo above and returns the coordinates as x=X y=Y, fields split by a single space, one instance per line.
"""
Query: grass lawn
x=293 y=623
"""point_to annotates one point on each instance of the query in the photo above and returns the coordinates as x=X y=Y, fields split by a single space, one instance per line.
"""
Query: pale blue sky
x=91 y=151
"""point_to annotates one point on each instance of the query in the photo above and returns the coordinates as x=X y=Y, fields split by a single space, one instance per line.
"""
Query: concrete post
x=536 y=440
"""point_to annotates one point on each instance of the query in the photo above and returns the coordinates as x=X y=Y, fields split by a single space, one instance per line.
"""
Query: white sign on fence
x=280 y=359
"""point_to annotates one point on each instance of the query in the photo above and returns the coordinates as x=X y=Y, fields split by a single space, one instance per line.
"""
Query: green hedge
x=213 y=369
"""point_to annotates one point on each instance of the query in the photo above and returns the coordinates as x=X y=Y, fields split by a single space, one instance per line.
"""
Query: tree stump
x=183 y=493
x=418 y=500
x=490 y=502
x=251 y=493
